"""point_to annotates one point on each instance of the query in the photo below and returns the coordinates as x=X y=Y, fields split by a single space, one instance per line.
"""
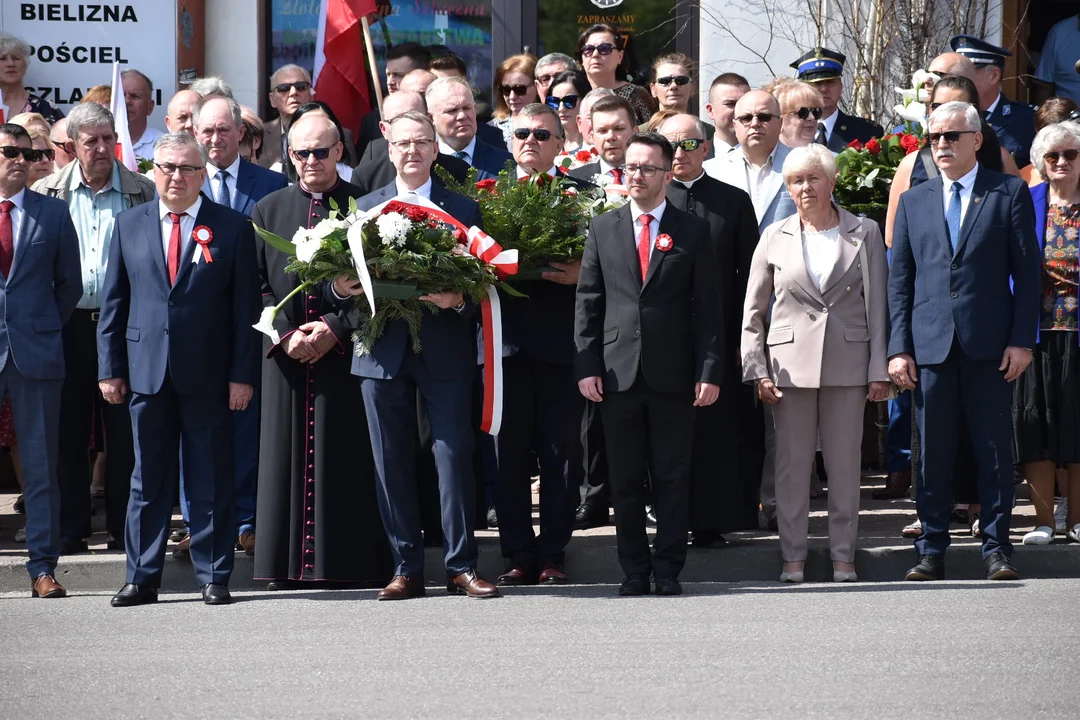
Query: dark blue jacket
x=253 y=183
x=198 y=330
x=488 y=160
x=936 y=295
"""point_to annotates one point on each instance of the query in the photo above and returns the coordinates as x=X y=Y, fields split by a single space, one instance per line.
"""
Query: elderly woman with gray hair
x=14 y=60
x=814 y=343
x=1046 y=407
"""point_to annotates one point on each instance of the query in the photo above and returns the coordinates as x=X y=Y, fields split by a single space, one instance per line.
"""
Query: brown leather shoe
x=247 y=542
x=516 y=575
x=403 y=587
x=896 y=486
x=553 y=575
x=45 y=586
x=471 y=584
x=183 y=547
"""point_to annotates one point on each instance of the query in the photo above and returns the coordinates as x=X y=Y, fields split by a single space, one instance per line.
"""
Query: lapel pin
x=976 y=199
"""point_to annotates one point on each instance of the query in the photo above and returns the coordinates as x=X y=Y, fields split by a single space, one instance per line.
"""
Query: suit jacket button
x=166 y=331
x=954 y=266
x=171 y=303
x=824 y=309
x=637 y=333
x=847 y=289
x=954 y=295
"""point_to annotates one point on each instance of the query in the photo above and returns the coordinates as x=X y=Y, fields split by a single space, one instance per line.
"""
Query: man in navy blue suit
x=40 y=283
x=958 y=336
x=453 y=109
x=390 y=376
x=233 y=182
x=181 y=293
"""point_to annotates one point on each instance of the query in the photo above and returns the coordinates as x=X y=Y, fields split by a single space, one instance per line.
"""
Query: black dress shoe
x=20 y=505
x=707 y=539
x=492 y=518
x=667 y=585
x=279 y=585
x=131 y=595
x=112 y=543
x=73 y=547
x=178 y=534
x=929 y=567
x=998 y=567
x=634 y=585
x=650 y=516
x=590 y=515
x=214 y=594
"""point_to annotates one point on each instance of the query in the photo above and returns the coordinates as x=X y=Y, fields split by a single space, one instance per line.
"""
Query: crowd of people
x=724 y=325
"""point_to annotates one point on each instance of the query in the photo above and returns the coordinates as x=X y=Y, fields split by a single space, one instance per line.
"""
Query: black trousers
x=650 y=434
x=597 y=490
x=542 y=407
x=78 y=399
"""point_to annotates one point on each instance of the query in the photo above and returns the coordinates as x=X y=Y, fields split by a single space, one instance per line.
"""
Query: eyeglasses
x=1052 y=156
x=647 y=171
x=406 y=145
x=679 y=80
x=604 y=49
x=319 y=153
x=567 y=101
x=47 y=154
x=804 y=112
x=545 y=80
x=185 y=170
x=934 y=106
x=519 y=90
x=539 y=133
x=29 y=154
x=949 y=137
x=284 y=88
x=762 y=118
x=687 y=145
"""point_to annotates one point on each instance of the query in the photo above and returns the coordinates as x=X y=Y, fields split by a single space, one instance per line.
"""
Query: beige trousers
x=803 y=415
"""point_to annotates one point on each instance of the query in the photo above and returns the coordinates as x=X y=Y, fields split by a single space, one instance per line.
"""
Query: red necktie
x=174 y=246
x=616 y=174
x=644 y=244
x=7 y=237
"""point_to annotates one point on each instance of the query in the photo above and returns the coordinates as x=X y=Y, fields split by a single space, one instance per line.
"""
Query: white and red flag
x=118 y=106
x=340 y=75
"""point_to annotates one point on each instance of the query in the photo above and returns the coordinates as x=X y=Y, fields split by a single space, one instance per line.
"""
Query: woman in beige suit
x=821 y=355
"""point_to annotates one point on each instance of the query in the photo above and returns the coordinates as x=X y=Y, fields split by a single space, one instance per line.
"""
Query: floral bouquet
x=567 y=161
x=545 y=219
x=615 y=195
x=912 y=108
x=864 y=173
x=407 y=251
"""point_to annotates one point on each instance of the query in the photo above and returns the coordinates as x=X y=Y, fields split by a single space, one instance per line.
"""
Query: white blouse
x=821 y=252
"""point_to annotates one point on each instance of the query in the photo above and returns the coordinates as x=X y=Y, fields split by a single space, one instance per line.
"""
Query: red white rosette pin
x=664 y=242
x=204 y=236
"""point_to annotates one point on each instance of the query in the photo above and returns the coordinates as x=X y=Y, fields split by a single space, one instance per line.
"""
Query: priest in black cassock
x=318 y=517
x=729 y=444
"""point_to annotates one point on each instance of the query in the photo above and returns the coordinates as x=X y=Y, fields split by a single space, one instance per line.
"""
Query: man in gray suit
x=39 y=286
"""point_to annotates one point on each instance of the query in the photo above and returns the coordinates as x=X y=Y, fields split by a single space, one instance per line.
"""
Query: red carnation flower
x=394 y=206
x=583 y=155
x=910 y=143
x=873 y=146
x=460 y=236
x=855 y=144
x=487 y=185
x=415 y=214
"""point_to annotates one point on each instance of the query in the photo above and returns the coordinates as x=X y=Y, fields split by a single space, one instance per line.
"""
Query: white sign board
x=74 y=45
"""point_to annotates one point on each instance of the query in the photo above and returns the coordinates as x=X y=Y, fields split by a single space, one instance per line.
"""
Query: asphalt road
x=944 y=650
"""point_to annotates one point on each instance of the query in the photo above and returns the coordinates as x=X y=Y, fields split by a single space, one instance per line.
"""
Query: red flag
x=340 y=75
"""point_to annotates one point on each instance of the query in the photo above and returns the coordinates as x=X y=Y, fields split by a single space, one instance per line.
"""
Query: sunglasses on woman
x=804 y=113
x=567 y=101
x=29 y=154
x=539 y=133
x=604 y=49
x=519 y=90
x=1053 y=156
x=679 y=80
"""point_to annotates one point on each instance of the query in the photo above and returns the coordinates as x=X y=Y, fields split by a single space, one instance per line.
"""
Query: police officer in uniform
x=1013 y=122
x=836 y=129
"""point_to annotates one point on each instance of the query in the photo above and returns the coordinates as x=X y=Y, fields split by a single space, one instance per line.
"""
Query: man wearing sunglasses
x=290 y=87
x=728 y=449
x=959 y=335
x=96 y=188
x=39 y=294
x=825 y=69
x=453 y=110
x=61 y=144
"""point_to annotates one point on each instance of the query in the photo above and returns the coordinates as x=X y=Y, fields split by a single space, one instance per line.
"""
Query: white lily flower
x=920 y=78
x=912 y=112
x=907 y=95
x=266 y=324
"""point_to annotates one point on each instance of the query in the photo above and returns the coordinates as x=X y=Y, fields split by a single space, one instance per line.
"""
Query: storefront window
x=294 y=25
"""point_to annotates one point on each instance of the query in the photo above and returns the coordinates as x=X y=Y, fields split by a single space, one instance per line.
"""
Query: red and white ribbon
x=481 y=246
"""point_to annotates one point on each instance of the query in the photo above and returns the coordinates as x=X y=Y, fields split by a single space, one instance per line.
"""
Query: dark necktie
x=616 y=174
x=223 y=189
x=174 y=246
x=644 y=244
x=952 y=216
x=7 y=237
x=462 y=155
x=821 y=138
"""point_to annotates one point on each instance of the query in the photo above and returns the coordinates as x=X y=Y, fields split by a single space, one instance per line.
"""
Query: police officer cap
x=979 y=51
x=819 y=64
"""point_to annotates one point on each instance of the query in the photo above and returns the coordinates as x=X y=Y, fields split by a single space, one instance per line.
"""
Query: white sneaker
x=1074 y=534
x=1060 y=513
x=1042 y=535
x=20 y=535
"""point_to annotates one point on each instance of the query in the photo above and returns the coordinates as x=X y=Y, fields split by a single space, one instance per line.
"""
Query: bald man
x=375 y=169
x=416 y=81
x=179 y=111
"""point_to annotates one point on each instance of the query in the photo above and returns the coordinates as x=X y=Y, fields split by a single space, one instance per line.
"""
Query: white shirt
x=830 y=123
x=423 y=191
x=993 y=106
x=469 y=150
x=16 y=213
x=821 y=252
x=213 y=172
x=187 y=224
x=654 y=227
x=755 y=180
x=144 y=148
x=968 y=181
x=606 y=169
x=521 y=172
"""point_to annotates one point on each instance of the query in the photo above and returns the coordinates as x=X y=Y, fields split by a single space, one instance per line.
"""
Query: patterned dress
x=1061 y=269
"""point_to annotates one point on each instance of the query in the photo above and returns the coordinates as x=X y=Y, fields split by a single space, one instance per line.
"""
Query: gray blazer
x=816 y=338
x=731 y=168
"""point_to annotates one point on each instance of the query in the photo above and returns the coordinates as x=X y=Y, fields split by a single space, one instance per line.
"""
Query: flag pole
x=371 y=61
